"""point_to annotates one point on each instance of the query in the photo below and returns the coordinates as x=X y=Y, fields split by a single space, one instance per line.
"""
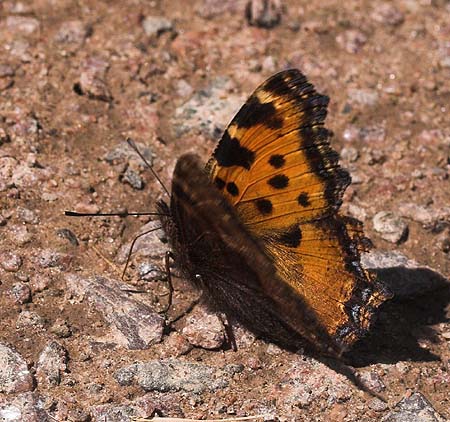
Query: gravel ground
x=77 y=78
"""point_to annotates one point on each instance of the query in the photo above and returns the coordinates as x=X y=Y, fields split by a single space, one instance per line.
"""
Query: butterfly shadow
x=404 y=329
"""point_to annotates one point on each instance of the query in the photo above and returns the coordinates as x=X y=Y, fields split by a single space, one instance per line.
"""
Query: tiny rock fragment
x=133 y=178
x=10 y=261
x=373 y=381
x=21 y=293
x=61 y=329
x=351 y=40
x=72 y=33
x=26 y=407
x=263 y=13
x=387 y=14
x=23 y=24
x=364 y=97
x=391 y=227
x=204 y=329
x=29 y=319
x=413 y=408
x=14 y=374
x=156 y=25
x=92 y=80
x=52 y=364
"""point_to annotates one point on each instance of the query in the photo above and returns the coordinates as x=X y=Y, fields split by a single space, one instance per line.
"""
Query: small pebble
x=61 y=329
x=28 y=319
x=24 y=24
x=263 y=13
x=377 y=405
x=390 y=226
x=52 y=363
x=364 y=97
x=151 y=272
x=14 y=374
x=72 y=32
x=372 y=381
x=156 y=25
x=351 y=40
x=20 y=234
x=39 y=282
x=349 y=154
x=21 y=293
x=387 y=14
x=27 y=216
x=10 y=262
x=204 y=329
x=133 y=179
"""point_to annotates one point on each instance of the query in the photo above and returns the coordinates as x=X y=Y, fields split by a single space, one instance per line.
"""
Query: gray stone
x=264 y=14
x=415 y=408
x=92 y=81
x=72 y=33
x=10 y=261
x=351 y=40
x=21 y=293
x=135 y=325
x=156 y=25
x=52 y=363
x=387 y=14
x=26 y=215
x=372 y=381
x=26 y=407
x=204 y=329
x=349 y=154
x=29 y=319
x=19 y=234
x=175 y=375
x=61 y=328
x=133 y=178
x=365 y=97
x=14 y=374
x=390 y=226
x=24 y=24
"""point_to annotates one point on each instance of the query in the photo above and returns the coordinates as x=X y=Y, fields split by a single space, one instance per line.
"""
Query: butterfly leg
x=231 y=339
x=168 y=256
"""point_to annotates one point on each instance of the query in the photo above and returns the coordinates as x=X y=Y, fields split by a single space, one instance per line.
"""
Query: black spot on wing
x=219 y=183
x=230 y=153
x=280 y=181
x=277 y=161
x=292 y=237
x=264 y=206
x=232 y=189
x=303 y=199
x=253 y=113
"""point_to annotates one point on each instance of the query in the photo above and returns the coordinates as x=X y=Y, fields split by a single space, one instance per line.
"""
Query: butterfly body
x=258 y=230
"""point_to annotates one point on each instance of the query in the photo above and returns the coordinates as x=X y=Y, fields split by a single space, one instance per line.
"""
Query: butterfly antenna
x=133 y=145
x=109 y=214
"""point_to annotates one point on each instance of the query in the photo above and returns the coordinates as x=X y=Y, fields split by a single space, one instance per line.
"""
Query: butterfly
x=258 y=229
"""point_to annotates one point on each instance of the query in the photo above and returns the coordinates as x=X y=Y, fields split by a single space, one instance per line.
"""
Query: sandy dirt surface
x=79 y=77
